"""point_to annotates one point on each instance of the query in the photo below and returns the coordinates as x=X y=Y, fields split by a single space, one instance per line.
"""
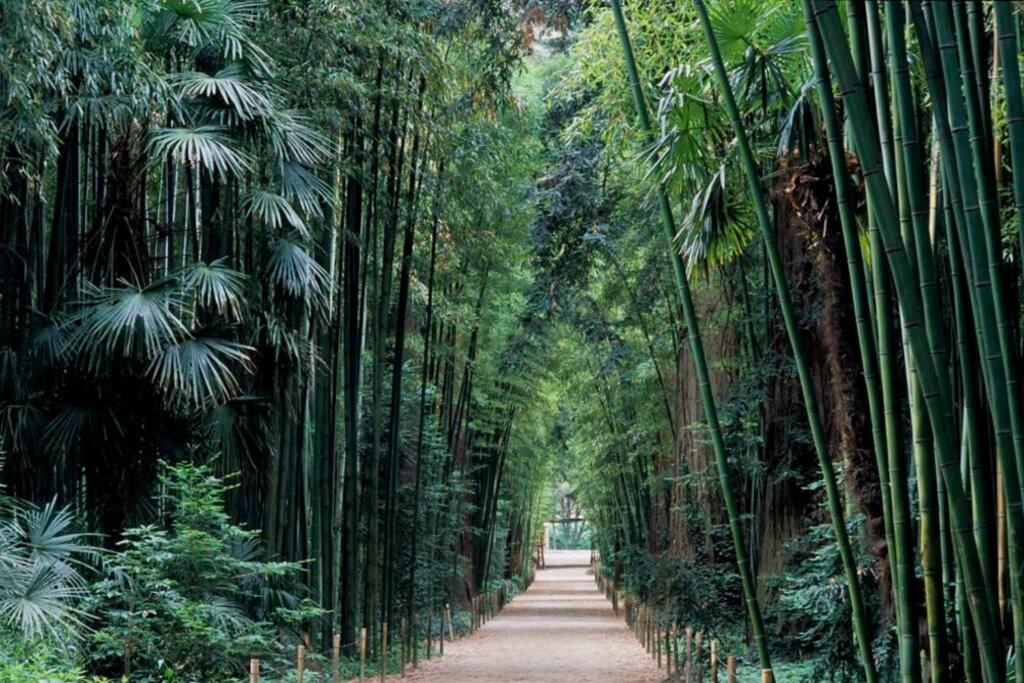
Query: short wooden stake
x=383 y=651
x=415 y=641
x=714 y=661
x=675 y=647
x=300 y=663
x=688 y=656
x=401 y=648
x=668 y=649
x=335 y=659
x=440 y=636
x=657 y=642
x=430 y=634
x=730 y=670
x=254 y=670
x=698 y=649
x=362 y=654
x=766 y=676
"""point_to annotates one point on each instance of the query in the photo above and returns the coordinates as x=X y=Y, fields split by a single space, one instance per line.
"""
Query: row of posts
x=483 y=608
x=662 y=640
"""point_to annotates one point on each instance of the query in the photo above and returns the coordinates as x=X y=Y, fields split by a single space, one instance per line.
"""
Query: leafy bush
x=193 y=601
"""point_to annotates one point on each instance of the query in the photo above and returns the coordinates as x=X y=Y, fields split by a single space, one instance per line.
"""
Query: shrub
x=194 y=600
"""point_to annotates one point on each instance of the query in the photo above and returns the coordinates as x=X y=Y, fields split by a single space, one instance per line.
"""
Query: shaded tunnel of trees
x=312 y=313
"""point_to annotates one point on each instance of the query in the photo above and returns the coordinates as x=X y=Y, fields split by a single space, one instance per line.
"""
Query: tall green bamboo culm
x=935 y=383
x=700 y=362
x=967 y=161
x=900 y=554
x=892 y=140
x=835 y=498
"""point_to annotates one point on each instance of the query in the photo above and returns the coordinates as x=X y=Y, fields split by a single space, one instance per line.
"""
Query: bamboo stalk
x=807 y=385
x=700 y=362
x=935 y=387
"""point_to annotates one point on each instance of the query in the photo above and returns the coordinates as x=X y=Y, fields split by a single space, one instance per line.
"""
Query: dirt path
x=562 y=629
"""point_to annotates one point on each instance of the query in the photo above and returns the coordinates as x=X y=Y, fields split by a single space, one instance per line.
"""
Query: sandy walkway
x=562 y=629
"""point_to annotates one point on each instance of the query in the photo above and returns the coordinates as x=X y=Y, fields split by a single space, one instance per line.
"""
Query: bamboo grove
x=904 y=116
x=737 y=281
x=240 y=233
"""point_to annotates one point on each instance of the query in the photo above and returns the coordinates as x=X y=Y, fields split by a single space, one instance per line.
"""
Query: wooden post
x=383 y=651
x=300 y=663
x=254 y=670
x=430 y=633
x=675 y=648
x=688 y=656
x=401 y=648
x=766 y=676
x=730 y=670
x=652 y=632
x=698 y=642
x=657 y=639
x=415 y=641
x=668 y=649
x=362 y=654
x=335 y=658
x=451 y=628
x=440 y=636
x=714 y=661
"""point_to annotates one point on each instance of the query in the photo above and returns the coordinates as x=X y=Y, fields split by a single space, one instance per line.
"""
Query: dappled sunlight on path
x=562 y=629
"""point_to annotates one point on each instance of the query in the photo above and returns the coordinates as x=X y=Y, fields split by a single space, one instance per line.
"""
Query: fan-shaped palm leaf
x=303 y=187
x=292 y=269
x=273 y=210
x=227 y=86
x=35 y=599
x=41 y=560
x=208 y=146
x=126 y=321
x=200 y=23
x=716 y=227
x=215 y=286
x=201 y=371
x=293 y=140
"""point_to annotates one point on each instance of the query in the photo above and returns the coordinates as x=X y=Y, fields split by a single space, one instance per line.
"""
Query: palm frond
x=274 y=210
x=201 y=371
x=207 y=146
x=228 y=86
x=293 y=140
x=292 y=269
x=216 y=286
x=126 y=321
x=303 y=187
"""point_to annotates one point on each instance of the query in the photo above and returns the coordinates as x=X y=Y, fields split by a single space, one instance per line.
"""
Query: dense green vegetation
x=312 y=313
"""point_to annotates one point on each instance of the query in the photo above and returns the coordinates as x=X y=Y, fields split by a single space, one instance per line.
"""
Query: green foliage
x=193 y=600
x=44 y=567
x=813 y=608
